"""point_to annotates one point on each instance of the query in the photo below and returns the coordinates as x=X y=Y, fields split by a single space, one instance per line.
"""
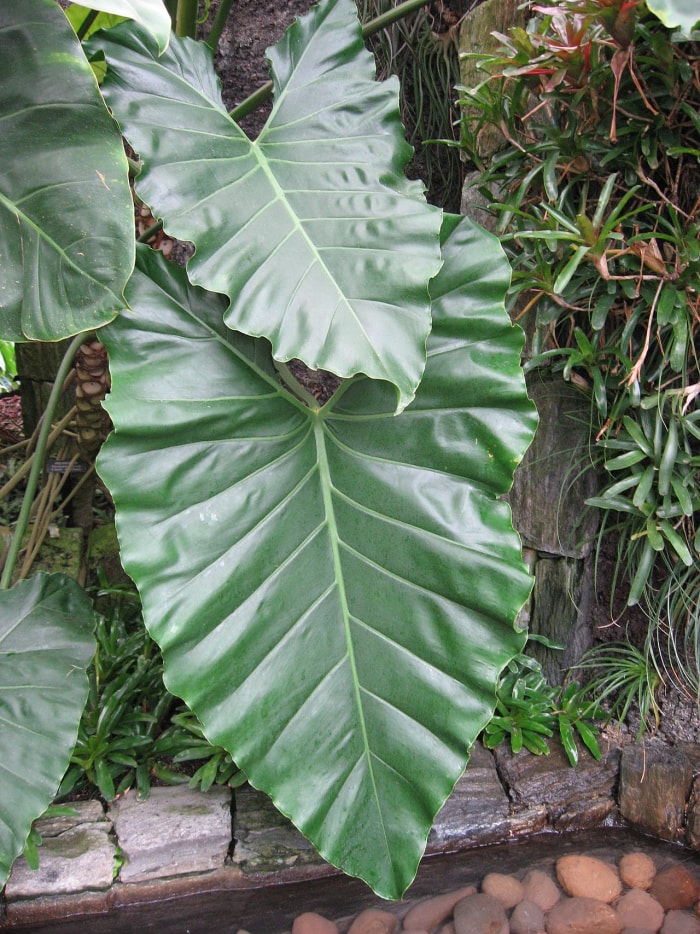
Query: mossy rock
x=103 y=554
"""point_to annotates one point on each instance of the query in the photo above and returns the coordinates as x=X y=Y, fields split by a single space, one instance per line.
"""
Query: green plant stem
x=151 y=232
x=171 y=7
x=219 y=23
x=186 y=18
x=383 y=21
x=38 y=464
x=86 y=24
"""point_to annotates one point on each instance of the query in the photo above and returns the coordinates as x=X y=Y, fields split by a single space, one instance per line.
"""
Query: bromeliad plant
x=333 y=587
x=530 y=711
x=597 y=193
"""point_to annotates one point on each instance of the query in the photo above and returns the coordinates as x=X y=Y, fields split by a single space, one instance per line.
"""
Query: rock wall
x=556 y=477
x=548 y=500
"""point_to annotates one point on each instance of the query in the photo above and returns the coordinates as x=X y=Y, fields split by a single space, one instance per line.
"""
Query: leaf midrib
x=281 y=196
x=334 y=538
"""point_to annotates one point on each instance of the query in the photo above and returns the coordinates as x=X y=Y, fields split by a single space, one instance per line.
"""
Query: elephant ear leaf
x=46 y=644
x=313 y=231
x=334 y=588
x=66 y=211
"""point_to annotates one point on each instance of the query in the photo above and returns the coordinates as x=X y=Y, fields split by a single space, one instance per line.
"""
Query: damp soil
x=241 y=63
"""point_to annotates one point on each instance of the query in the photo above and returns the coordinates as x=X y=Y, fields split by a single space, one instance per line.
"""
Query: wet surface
x=271 y=909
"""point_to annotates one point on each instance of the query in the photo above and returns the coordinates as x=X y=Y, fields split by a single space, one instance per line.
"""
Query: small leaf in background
x=46 y=644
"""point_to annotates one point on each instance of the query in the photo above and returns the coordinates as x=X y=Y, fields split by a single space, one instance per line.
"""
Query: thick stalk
x=37 y=466
x=186 y=19
x=171 y=7
x=383 y=21
x=217 y=26
x=151 y=232
x=86 y=24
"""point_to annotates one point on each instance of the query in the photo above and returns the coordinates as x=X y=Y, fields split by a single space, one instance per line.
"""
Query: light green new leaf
x=149 y=13
x=312 y=231
x=683 y=13
x=334 y=588
x=66 y=212
x=46 y=644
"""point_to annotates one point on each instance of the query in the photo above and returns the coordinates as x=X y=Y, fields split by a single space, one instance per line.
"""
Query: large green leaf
x=312 y=230
x=683 y=13
x=66 y=213
x=46 y=644
x=334 y=588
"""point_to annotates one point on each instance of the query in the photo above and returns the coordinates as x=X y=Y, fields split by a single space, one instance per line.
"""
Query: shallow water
x=272 y=909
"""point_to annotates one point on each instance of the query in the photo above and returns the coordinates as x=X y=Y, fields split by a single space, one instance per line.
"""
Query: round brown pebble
x=433 y=911
x=507 y=889
x=588 y=877
x=680 y=922
x=539 y=887
x=675 y=888
x=637 y=870
x=311 y=923
x=527 y=918
x=373 y=921
x=639 y=909
x=480 y=914
x=582 y=916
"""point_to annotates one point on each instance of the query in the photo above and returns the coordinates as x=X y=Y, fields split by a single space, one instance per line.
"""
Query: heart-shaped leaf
x=334 y=588
x=313 y=231
x=66 y=212
x=46 y=644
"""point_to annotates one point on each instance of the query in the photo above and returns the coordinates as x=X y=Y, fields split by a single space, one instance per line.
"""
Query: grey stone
x=527 y=918
x=86 y=812
x=264 y=840
x=480 y=914
x=476 y=35
x=477 y=811
x=556 y=463
x=475 y=204
x=680 y=922
x=560 y=610
x=655 y=783
x=77 y=855
x=173 y=832
x=692 y=819
x=575 y=798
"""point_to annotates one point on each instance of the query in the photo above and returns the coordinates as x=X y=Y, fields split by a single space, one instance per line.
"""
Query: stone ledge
x=501 y=798
x=173 y=832
x=77 y=855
